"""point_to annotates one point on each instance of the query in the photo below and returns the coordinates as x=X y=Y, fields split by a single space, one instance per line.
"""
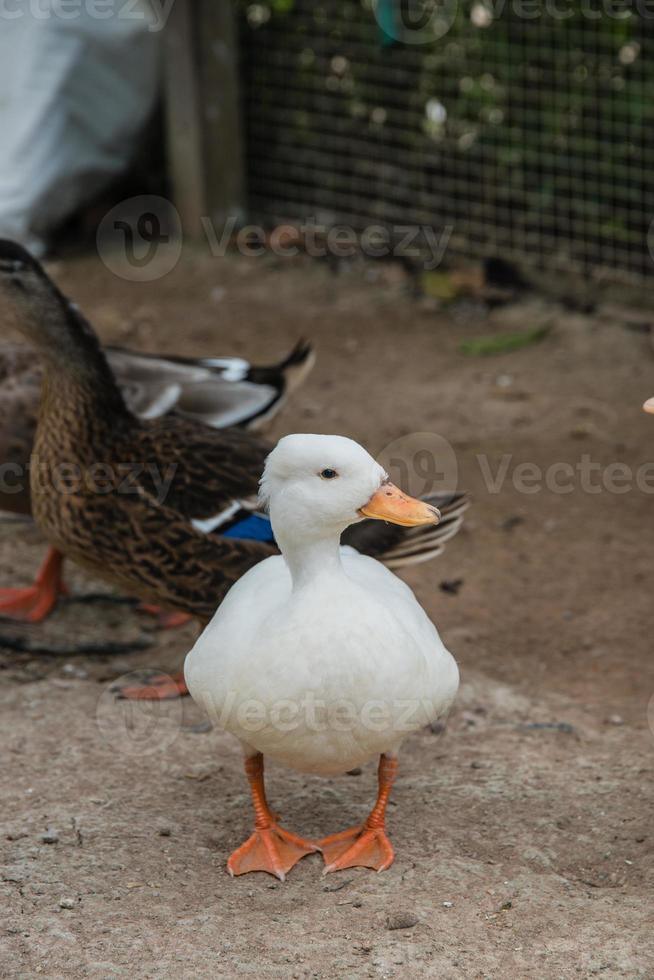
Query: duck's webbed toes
x=359 y=847
x=271 y=849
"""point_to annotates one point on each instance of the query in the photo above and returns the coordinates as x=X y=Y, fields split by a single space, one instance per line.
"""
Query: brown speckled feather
x=20 y=387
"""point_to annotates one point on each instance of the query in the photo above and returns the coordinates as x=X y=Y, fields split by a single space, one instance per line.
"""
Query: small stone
x=164 y=831
x=615 y=720
x=66 y=903
x=402 y=920
x=448 y=905
x=336 y=886
x=50 y=837
x=199 y=728
x=511 y=522
x=437 y=727
x=354 y=772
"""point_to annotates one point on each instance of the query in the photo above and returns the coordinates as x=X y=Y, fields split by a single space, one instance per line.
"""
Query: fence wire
x=526 y=127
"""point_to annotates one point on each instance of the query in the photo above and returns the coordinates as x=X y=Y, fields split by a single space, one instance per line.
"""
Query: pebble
x=615 y=720
x=50 y=837
x=337 y=885
x=199 y=728
x=66 y=903
x=448 y=905
x=401 y=920
x=164 y=831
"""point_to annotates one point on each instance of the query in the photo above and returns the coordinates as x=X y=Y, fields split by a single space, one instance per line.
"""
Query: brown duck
x=161 y=508
x=219 y=391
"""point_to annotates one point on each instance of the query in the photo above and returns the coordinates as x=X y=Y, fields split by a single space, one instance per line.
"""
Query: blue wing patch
x=254 y=527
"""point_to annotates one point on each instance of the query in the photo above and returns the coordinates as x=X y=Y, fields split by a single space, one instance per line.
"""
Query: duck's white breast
x=325 y=677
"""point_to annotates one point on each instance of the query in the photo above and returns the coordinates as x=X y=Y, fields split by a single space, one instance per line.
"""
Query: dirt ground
x=523 y=832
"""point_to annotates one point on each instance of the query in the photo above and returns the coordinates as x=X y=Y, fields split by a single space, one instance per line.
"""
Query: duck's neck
x=310 y=557
x=75 y=364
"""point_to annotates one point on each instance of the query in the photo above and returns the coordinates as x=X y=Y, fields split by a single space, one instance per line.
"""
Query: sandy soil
x=523 y=832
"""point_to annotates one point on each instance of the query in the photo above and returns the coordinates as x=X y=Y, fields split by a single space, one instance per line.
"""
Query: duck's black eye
x=328 y=474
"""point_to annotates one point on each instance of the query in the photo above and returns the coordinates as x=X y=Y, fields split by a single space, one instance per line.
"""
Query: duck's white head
x=316 y=485
x=649 y=406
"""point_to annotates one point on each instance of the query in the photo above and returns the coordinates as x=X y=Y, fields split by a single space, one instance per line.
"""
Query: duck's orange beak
x=649 y=406
x=389 y=503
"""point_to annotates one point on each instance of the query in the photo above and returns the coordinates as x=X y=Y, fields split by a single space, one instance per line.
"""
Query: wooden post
x=203 y=114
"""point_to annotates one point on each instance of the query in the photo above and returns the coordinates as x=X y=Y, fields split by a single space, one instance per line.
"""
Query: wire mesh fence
x=525 y=127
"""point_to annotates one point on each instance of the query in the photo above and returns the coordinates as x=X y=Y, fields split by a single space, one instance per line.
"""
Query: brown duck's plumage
x=120 y=494
x=20 y=387
x=218 y=391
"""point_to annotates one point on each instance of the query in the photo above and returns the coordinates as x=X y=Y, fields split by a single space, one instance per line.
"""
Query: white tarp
x=75 y=91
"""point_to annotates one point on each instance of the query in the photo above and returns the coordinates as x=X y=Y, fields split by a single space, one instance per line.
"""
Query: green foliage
x=505 y=342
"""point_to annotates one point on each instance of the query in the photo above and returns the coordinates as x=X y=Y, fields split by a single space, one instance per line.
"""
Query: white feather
x=302 y=638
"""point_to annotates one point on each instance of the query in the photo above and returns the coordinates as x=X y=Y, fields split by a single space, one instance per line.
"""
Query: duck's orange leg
x=270 y=848
x=165 y=619
x=33 y=603
x=366 y=846
x=158 y=687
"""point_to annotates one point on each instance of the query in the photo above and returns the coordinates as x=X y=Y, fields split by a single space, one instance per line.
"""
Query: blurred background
x=527 y=128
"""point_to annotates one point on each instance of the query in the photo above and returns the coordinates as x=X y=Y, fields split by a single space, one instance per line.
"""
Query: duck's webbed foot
x=34 y=603
x=157 y=687
x=271 y=848
x=366 y=846
x=359 y=847
x=165 y=619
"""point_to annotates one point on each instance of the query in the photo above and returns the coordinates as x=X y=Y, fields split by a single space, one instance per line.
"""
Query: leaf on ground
x=505 y=342
x=438 y=285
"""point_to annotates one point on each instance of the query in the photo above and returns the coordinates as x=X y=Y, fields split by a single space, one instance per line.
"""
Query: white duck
x=323 y=658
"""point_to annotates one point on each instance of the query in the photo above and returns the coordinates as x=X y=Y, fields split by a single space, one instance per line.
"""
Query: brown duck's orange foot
x=165 y=619
x=158 y=687
x=35 y=602
x=359 y=847
x=271 y=849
